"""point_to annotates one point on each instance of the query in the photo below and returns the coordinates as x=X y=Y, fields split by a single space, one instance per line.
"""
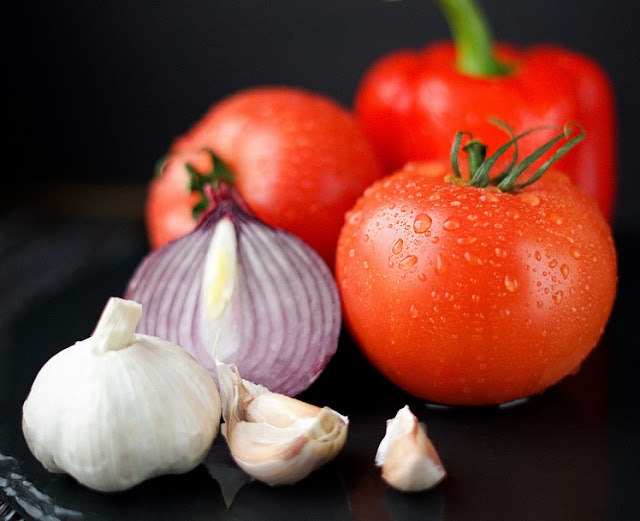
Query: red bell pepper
x=412 y=102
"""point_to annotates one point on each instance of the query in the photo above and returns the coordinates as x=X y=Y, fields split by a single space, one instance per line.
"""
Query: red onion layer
x=280 y=317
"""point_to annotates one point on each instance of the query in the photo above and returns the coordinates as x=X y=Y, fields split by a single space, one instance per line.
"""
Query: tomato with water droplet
x=515 y=323
x=297 y=157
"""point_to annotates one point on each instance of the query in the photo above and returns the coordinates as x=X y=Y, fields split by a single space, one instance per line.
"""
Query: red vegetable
x=462 y=293
x=299 y=160
x=411 y=101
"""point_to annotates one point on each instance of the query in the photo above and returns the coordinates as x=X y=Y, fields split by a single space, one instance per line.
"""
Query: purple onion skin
x=282 y=323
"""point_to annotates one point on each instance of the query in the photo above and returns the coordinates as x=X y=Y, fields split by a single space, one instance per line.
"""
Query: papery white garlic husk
x=407 y=456
x=118 y=408
x=274 y=438
x=273 y=299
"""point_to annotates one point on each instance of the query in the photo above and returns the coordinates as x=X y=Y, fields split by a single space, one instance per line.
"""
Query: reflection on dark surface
x=549 y=458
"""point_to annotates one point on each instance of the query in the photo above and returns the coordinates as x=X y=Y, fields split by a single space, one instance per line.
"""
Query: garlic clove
x=274 y=438
x=407 y=456
x=118 y=408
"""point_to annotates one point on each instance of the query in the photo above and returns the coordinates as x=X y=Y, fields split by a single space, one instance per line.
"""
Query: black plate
x=570 y=453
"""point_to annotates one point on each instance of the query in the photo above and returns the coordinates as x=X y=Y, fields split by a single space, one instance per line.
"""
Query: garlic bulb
x=118 y=407
x=273 y=299
x=272 y=437
x=408 y=459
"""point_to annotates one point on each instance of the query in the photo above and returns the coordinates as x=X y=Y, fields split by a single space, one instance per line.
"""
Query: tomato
x=469 y=295
x=299 y=160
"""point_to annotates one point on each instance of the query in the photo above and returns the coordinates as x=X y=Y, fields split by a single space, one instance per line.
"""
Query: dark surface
x=570 y=453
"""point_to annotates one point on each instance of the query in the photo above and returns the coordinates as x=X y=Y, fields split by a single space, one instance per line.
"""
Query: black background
x=97 y=90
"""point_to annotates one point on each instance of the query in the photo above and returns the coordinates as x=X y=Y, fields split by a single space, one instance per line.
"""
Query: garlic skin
x=407 y=456
x=118 y=408
x=274 y=438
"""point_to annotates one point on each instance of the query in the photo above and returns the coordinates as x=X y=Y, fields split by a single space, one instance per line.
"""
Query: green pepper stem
x=473 y=39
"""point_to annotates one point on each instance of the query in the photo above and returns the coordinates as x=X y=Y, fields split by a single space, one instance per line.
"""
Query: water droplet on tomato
x=553 y=263
x=555 y=218
x=530 y=199
x=564 y=269
x=489 y=197
x=354 y=218
x=469 y=239
x=442 y=264
x=452 y=223
x=539 y=304
x=422 y=277
x=414 y=311
x=471 y=258
x=574 y=252
x=365 y=264
x=475 y=298
x=365 y=238
x=397 y=247
x=511 y=283
x=557 y=296
x=352 y=252
x=392 y=206
x=408 y=262
x=500 y=252
x=537 y=255
x=421 y=223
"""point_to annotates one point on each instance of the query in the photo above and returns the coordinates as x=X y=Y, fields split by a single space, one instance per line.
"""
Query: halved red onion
x=270 y=297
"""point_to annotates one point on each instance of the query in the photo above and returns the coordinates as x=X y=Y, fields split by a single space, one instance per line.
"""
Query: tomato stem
x=480 y=166
x=198 y=182
x=476 y=153
x=473 y=39
x=508 y=183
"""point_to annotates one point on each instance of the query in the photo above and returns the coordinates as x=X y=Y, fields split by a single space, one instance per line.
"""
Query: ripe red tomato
x=299 y=160
x=465 y=295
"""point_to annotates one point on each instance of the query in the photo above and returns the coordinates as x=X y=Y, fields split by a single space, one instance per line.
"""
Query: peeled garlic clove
x=408 y=459
x=272 y=437
x=118 y=407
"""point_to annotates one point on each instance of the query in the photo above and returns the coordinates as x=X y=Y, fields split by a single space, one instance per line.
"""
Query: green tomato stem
x=220 y=172
x=473 y=39
x=480 y=166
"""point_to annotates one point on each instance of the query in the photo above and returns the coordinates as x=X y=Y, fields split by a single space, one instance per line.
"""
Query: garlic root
x=274 y=438
x=407 y=456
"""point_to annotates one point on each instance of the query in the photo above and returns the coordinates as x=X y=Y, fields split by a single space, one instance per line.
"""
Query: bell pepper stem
x=473 y=39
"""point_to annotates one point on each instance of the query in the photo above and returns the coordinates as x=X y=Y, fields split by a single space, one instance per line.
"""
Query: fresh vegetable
x=270 y=296
x=298 y=159
x=411 y=101
x=274 y=438
x=476 y=289
x=118 y=407
x=406 y=455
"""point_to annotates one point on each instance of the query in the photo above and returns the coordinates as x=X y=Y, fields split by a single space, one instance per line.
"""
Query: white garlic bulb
x=118 y=408
x=274 y=438
x=407 y=456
